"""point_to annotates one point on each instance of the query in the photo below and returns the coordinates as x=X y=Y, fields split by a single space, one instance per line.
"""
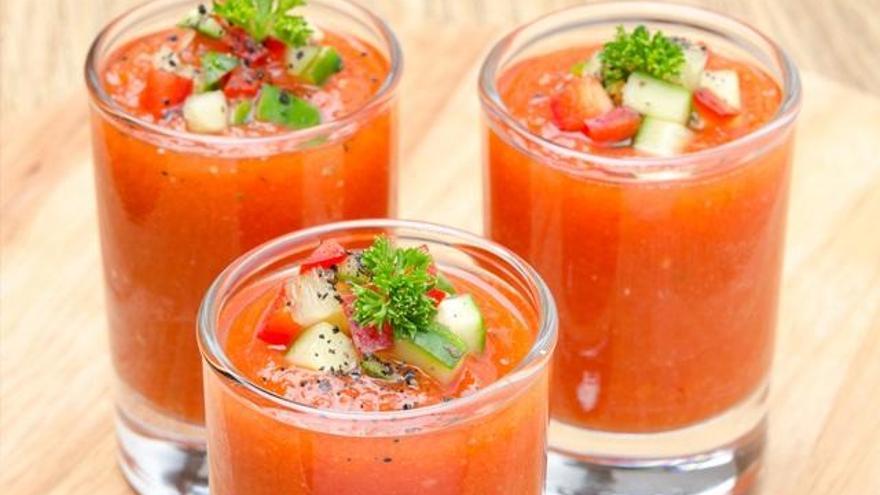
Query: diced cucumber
x=323 y=347
x=314 y=300
x=299 y=57
x=241 y=112
x=725 y=85
x=437 y=352
x=656 y=98
x=660 y=137
x=589 y=67
x=281 y=107
x=351 y=269
x=695 y=57
x=313 y=64
x=206 y=112
x=462 y=317
x=200 y=19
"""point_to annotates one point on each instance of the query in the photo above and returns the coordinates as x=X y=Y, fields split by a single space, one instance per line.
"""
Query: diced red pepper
x=705 y=99
x=618 y=124
x=579 y=99
x=370 y=339
x=164 y=90
x=276 y=48
x=437 y=295
x=278 y=328
x=244 y=47
x=242 y=82
x=329 y=253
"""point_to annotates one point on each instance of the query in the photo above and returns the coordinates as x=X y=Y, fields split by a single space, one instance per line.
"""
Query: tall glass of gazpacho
x=638 y=156
x=216 y=127
x=377 y=357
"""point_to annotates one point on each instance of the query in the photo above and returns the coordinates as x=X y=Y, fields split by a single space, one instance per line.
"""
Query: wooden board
x=55 y=378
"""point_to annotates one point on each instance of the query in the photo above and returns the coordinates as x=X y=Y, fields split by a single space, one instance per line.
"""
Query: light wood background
x=55 y=405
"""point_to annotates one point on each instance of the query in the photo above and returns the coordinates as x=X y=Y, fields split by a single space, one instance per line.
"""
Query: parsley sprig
x=395 y=292
x=639 y=51
x=263 y=18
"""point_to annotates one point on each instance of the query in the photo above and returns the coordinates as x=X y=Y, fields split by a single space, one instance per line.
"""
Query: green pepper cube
x=280 y=107
x=214 y=67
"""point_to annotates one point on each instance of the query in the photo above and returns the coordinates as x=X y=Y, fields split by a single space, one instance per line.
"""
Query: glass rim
x=213 y=354
x=491 y=101
x=102 y=100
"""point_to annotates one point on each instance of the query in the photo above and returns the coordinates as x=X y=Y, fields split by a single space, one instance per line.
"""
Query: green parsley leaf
x=639 y=51
x=264 y=18
x=395 y=293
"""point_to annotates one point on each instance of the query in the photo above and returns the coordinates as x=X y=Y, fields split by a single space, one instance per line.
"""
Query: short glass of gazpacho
x=377 y=357
x=216 y=127
x=638 y=156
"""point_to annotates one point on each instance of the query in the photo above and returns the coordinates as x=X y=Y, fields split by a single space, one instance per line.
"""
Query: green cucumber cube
x=298 y=58
x=206 y=112
x=695 y=58
x=462 y=317
x=438 y=352
x=661 y=138
x=200 y=19
x=314 y=300
x=322 y=347
x=590 y=67
x=655 y=98
x=724 y=84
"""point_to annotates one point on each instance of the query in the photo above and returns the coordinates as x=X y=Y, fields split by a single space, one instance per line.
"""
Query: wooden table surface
x=55 y=399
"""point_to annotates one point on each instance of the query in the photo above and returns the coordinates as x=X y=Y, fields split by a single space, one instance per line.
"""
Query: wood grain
x=55 y=398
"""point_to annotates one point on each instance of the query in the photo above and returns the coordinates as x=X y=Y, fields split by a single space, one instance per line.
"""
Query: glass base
x=730 y=470
x=157 y=464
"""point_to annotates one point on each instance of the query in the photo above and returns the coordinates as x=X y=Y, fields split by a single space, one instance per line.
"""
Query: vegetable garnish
x=396 y=292
x=656 y=55
x=263 y=18
x=374 y=307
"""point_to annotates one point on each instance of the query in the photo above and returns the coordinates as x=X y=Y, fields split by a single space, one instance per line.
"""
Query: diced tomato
x=705 y=99
x=164 y=90
x=278 y=328
x=276 y=48
x=371 y=339
x=329 y=253
x=244 y=47
x=579 y=99
x=618 y=124
x=242 y=82
x=437 y=295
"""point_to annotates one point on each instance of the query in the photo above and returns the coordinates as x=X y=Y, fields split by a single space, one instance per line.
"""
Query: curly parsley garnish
x=639 y=51
x=263 y=18
x=395 y=293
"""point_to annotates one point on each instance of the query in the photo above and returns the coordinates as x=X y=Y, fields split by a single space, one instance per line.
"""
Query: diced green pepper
x=281 y=107
x=325 y=64
x=214 y=67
